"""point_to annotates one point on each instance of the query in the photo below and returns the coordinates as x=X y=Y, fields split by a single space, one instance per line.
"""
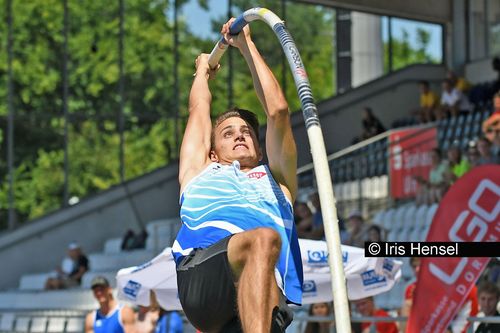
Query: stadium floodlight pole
x=318 y=151
x=65 y=102
x=10 y=119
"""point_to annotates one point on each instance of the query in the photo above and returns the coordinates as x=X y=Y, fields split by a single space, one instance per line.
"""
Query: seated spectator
x=303 y=219
x=473 y=155
x=491 y=128
x=453 y=101
x=72 y=276
x=366 y=307
x=371 y=124
x=458 y=165
x=317 y=230
x=374 y=234
x=357 y=230
x=488 y=296
x=460 y=83
x=319 y=310
x=432 y=190
x=131 y=241
x=429 y=101
x=485 y=152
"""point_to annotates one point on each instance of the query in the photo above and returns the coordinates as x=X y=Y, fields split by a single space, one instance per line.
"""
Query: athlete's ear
x=261 y=154
x=213 y=156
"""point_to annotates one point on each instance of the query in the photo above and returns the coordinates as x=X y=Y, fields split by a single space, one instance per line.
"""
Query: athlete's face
x=102 y=293
x=235 y=140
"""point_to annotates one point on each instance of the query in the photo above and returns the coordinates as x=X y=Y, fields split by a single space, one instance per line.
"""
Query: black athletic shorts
x=208 y=294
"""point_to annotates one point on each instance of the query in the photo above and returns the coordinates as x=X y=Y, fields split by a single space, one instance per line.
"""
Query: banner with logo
x=468 y=212
x=410 y=156
x=365 y=276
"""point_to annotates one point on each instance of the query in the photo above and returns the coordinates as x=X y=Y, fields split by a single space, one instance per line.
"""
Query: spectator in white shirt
x=453 y=101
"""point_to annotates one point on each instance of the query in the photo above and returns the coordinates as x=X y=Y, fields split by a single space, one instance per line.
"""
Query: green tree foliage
x=314 y=40
x=93 y=104
x=404 y=54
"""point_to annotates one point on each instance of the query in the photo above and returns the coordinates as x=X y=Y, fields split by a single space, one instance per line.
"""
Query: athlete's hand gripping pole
x=318 y=151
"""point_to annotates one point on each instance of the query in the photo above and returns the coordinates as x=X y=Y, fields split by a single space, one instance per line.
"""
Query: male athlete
x=237 y=253
x=110 y=317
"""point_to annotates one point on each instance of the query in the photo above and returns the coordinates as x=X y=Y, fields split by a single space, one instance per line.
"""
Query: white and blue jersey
x=110 y=323
x=223 y=200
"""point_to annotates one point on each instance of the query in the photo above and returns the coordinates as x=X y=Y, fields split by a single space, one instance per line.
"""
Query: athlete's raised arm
x=280 y=145
x=195 y=148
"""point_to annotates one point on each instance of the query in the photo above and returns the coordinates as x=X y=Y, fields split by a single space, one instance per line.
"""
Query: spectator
x=491 y=128
x=371 y=124
x=68 y=277
x=488 y=296
x=356 y=229
x=132 y=241
x=429 y=101
x=485 y=152
x=374 y=234
x=317 y=229
x=366 y=307
x=110 y=317
x=432 y=190
x=145 y=319
x=168 y=321
x=453 y=101
x=458 y=165
x=460 y=83
x=303 y=219
x=319 y=310
x=473 y=156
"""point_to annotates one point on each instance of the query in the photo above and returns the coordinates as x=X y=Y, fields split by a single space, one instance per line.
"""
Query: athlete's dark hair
x=248 y=116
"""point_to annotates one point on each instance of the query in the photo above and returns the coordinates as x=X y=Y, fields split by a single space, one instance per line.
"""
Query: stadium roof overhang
x=425 y=10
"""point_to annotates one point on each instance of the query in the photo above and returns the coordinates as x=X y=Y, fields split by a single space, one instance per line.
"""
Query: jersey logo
x=256 y=174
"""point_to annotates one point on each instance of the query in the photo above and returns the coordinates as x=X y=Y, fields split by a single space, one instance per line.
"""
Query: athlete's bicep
x=282 y=152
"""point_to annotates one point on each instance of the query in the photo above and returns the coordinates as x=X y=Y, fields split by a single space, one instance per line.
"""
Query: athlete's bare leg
x=253 y=255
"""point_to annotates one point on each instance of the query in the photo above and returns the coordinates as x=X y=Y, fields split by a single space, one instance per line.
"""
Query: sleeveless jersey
x=223 y=200
x=111 y=323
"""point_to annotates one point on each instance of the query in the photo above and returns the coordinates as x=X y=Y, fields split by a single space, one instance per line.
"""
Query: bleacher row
x=461 y=129
x=405 y=223
x=40 y=322
x=31 y=309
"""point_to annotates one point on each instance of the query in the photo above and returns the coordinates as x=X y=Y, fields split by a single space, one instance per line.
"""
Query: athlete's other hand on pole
x=241 y=40
x=203 y=68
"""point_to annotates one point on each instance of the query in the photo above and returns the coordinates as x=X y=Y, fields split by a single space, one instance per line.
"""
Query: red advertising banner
x=469 y=212
x=410 y=155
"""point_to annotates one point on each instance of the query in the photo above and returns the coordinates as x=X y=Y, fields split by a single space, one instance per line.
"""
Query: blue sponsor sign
x=345 y=256
x=131 y=289
x=309 y=286
x=317 y=258
x=388 y=264
x=370 y=278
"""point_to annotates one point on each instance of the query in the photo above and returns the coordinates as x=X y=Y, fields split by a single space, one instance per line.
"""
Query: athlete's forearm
x=266 y=86
x=200 y=91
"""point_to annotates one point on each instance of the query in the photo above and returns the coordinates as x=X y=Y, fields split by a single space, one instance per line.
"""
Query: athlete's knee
x=266 y=241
